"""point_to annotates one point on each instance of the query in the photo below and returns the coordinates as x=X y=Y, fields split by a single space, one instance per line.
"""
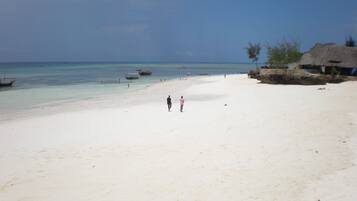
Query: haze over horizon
x=164 y=31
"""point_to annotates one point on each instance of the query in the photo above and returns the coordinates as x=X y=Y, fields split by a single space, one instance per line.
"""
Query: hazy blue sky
x=164 y=30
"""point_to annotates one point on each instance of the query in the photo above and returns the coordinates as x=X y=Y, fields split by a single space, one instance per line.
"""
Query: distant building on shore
x=330 y=59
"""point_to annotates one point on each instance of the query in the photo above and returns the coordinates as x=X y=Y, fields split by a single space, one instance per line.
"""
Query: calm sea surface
x=42 y=83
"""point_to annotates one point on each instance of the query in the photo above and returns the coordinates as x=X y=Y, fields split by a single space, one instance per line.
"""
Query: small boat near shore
x=7 y=82
x=132 y=76
x=144 y=72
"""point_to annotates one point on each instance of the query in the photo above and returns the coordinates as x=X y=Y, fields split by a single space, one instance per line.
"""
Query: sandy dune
x=236 y=140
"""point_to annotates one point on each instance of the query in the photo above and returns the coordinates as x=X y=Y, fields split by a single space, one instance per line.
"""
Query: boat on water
x=132 y=76
x=7 y=82
x=144 y=72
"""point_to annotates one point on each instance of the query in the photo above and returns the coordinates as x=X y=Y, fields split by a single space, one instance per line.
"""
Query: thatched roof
x=330 y=55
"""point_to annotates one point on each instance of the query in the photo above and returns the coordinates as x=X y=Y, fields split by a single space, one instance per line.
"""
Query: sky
x=165 y=30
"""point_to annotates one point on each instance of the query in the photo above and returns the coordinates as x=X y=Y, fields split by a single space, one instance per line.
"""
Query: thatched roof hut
x=330 y=55
x=330 y=59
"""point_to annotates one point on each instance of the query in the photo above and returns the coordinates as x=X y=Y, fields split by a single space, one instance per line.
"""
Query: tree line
x=282 y=53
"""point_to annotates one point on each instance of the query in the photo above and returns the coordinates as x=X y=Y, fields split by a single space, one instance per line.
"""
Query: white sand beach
x=235 y=140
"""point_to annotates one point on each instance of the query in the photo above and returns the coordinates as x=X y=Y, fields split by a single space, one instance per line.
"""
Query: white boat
x=132 y=76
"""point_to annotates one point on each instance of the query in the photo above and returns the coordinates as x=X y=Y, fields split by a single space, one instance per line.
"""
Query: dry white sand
x=270 y=142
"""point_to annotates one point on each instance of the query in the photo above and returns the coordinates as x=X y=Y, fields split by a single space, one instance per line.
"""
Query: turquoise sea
x=43 y=83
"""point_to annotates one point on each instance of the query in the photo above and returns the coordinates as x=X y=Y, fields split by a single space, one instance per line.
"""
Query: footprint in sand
x=8 y=184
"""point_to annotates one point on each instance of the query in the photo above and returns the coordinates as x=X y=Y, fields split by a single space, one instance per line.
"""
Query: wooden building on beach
x=330 y=59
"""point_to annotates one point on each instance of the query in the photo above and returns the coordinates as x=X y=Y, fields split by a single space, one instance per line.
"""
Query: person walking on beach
x=182 y=101
x=169 y=103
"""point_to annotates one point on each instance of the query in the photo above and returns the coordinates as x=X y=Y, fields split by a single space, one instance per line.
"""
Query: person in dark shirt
x=169 y=103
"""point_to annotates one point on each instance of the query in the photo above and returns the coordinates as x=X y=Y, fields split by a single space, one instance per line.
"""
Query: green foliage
x=253 y=51
x=283 y=53
x=350 y=42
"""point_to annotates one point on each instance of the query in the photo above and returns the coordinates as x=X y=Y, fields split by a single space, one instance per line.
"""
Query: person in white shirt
x=182 y=101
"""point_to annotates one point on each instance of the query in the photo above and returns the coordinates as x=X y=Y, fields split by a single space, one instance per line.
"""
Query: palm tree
x=350 y=42
x=253 y=51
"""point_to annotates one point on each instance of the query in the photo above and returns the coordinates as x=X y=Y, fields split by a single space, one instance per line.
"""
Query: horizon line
x=132 y=62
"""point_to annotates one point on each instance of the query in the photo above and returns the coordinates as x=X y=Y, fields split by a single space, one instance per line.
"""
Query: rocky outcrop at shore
x=294 y=76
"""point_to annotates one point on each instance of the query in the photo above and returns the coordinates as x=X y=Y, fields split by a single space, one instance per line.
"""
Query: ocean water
x=45 y=83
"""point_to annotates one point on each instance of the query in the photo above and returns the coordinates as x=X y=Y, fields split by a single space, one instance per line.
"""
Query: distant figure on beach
x=182 y=101
x=169 y=103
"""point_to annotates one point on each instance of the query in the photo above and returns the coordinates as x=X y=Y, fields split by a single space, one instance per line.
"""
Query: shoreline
x=235 y=140
x=88 y=103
